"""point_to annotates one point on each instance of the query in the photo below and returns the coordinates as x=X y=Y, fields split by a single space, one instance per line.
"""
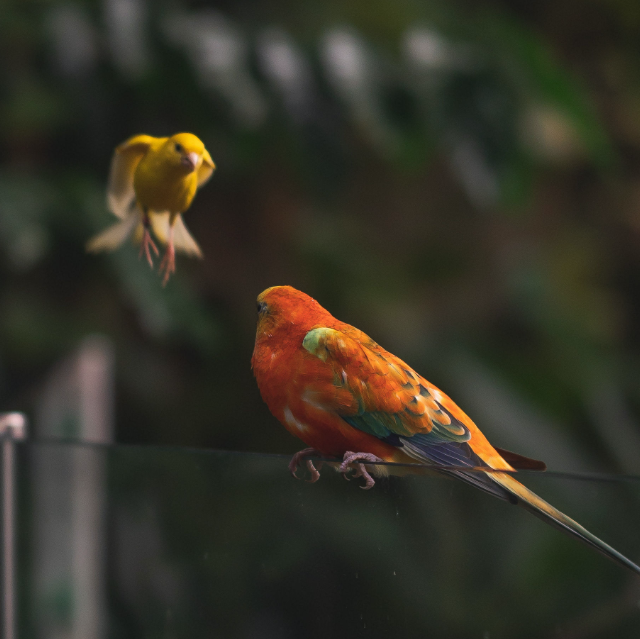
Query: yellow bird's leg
x=301 y=455
x=168 y=264
x=354 y=458
x=147 y=242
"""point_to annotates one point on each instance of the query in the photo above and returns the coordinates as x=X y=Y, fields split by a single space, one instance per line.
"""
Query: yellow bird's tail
x=112 y=237
x=182 y=239
x=545 y=511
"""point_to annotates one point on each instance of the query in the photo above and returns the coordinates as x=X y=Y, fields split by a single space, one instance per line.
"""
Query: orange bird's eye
x=262 y=306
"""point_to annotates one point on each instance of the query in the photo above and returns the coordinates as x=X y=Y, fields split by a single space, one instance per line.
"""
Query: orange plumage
x=347 y=397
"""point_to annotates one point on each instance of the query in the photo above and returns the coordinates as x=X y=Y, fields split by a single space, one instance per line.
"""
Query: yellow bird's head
x=184 y=151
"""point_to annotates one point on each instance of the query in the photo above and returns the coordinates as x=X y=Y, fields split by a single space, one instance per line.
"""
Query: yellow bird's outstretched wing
x=182 y=239
x=206 y=169
x=112 y=237
x=120 y=193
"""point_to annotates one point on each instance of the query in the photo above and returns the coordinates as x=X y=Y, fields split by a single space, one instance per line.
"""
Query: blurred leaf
x=534 y=69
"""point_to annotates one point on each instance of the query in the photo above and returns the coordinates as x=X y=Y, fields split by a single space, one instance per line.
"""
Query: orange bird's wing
x=393 y=403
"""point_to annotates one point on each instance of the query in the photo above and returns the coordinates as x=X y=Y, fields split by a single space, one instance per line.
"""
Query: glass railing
x=131 y=541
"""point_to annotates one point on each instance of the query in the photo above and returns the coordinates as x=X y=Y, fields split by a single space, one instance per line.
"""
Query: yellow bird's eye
x=178 y=147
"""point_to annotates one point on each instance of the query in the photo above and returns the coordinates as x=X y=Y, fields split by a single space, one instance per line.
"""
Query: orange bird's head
x=284 y=313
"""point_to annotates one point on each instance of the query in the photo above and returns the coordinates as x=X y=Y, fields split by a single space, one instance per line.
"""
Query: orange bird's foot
x=354 y=458
x=168 y=264
x=301 y=456
x=147 y=243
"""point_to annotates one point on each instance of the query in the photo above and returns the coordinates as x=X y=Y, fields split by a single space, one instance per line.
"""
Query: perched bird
x=152 y=182
x=348 y=398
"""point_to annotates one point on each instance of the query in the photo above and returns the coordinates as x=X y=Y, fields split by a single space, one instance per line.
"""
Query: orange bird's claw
x=354 y=458
x=301 y=456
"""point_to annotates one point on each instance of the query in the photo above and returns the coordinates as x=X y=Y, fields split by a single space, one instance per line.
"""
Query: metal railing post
x=13 y=427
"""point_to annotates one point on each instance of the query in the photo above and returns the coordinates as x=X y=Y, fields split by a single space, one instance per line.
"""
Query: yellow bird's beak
x=191 y=160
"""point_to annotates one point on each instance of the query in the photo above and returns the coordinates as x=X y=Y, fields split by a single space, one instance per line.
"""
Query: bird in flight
x=152 y=182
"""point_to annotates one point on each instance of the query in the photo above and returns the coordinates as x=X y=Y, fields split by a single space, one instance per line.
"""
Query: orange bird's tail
x=540 y=508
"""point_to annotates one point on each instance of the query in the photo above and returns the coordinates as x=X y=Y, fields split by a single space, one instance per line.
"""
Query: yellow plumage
x=153 y=181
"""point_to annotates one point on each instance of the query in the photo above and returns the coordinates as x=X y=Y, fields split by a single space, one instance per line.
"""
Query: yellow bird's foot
x=146 y=244
x=354 y=458
x=168 y=264
x=301 y=456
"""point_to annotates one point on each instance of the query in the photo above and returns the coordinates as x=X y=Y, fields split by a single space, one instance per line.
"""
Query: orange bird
x=346 y=397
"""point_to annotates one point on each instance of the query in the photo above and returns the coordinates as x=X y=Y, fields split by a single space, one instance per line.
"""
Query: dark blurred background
x=460 y=180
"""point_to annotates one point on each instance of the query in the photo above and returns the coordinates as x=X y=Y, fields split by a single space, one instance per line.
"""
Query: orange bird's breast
x=299 y=390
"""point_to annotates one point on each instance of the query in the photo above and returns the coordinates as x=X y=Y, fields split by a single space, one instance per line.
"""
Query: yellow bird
x=152 y=182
